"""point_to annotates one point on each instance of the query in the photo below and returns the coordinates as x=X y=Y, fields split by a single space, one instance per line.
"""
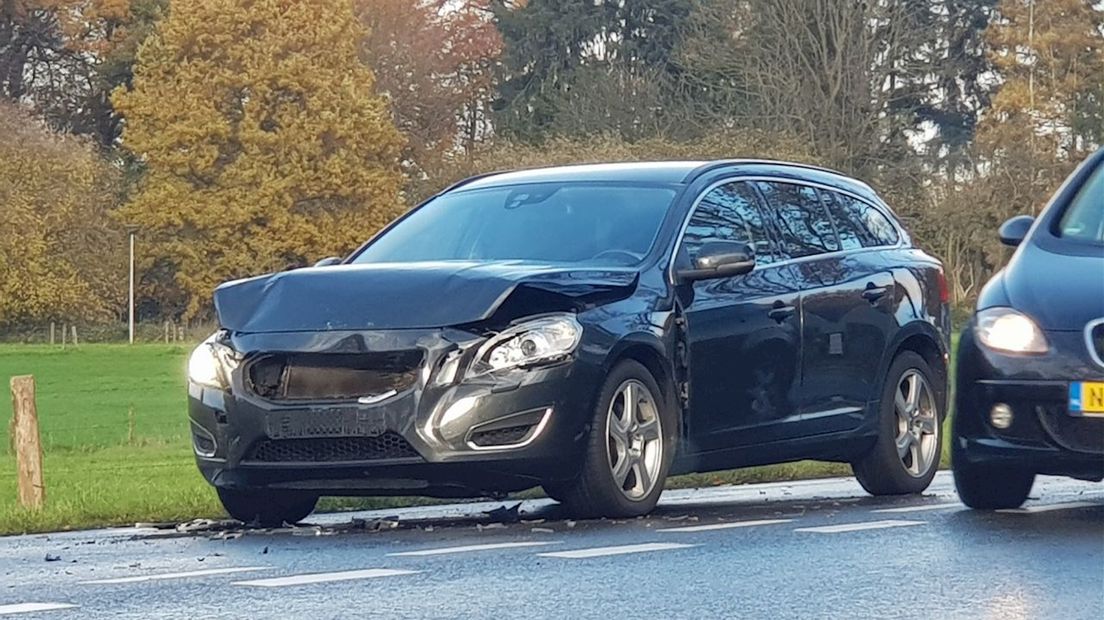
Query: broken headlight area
x=212 y=363
x=541 y=340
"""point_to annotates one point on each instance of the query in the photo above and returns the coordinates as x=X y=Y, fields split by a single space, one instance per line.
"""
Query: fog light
x=1000 y=416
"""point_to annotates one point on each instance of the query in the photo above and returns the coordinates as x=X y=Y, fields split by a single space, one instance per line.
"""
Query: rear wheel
x=906 y=455
x=267 y=508
x=628 y=451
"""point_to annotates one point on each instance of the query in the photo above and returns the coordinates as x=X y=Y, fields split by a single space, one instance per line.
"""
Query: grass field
x=116 y=444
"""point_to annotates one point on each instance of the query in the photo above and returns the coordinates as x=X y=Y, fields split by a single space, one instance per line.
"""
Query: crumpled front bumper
x=239 y=443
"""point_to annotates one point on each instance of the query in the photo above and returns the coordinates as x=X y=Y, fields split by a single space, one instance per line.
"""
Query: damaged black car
x=587 y=329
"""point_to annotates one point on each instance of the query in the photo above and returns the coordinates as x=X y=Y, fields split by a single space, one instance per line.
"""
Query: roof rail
x=720 y=163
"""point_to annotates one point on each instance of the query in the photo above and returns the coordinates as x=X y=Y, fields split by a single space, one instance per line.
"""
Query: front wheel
x=906 y=454
x=267 y=508
x=629 y=449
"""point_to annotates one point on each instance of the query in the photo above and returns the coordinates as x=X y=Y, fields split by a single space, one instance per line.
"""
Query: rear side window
x=860 y=225
x=729 y=212
x=801 y=219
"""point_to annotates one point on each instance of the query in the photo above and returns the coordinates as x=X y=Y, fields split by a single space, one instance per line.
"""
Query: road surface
x=815 y=549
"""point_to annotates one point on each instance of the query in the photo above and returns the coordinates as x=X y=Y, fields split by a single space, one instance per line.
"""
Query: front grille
x=1079 y=434
x=387 y=446
x=1094 y=334
x=501 y=436
x=332 y=376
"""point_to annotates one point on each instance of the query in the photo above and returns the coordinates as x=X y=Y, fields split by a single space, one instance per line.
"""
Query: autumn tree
x=60 y=257
x=265 y=142
x=63 y=57
x=434 y=60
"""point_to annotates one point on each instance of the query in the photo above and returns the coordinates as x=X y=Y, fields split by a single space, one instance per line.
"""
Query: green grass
x=117 y=450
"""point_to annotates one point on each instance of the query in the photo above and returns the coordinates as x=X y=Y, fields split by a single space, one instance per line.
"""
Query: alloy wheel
x=917 y=423
x=634 y=435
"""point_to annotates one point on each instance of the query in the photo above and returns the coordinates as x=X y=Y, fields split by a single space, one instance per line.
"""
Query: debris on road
x=505 y=515
x=53 y=558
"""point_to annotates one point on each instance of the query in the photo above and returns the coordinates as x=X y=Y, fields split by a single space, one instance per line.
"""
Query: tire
x=610 y=482
x=267 y=508
x=984 y=487
x=906 y=455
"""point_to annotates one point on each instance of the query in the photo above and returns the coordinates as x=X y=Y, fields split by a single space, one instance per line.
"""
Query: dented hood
x=403 y=296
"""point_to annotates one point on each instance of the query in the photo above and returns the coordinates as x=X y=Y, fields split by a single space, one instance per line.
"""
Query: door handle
x=874 y=293
x=781 y=312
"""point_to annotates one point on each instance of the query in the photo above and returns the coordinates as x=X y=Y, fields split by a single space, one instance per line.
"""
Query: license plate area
x=1086 y=398
x=331 y=422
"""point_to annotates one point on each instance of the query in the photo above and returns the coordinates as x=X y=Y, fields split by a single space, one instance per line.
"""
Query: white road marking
x=1027 y=510
x=301 y=580
x=184 y=575
x=598 y=552
x=24 y=608
x=724 y=526
x=920 y=508
x=857 y=527
x=467 y=548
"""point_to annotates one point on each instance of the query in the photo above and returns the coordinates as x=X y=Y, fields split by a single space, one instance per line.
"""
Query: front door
x=743 y=332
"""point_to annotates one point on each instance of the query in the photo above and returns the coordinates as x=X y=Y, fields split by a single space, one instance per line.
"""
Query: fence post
x=64 y=328
x=74 y=335
x=28 y=447
x=130 y=426
x=166 y=332
x=52 y=328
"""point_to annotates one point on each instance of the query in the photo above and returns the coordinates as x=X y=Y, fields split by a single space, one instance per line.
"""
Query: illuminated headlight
x=211 y=364
x=1009 y=331
x=542 y=340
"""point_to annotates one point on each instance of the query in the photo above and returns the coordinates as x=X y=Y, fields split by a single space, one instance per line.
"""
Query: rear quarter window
x=860 y=225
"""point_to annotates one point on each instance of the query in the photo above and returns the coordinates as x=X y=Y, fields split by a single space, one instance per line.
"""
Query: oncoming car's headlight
x=1009 y=331
x=541 y=340
x=211 y=364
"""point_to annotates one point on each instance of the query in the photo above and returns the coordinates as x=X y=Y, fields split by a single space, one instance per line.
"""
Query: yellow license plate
x=1086 y=398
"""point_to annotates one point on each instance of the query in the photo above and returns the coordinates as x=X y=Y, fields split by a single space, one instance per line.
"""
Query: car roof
x=666 y=172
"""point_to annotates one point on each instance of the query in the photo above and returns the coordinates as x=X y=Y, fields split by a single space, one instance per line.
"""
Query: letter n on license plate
x=1086 y=398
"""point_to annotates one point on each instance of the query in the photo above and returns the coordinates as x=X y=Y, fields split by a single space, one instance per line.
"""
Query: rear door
x=845 y=309
x=743 y=332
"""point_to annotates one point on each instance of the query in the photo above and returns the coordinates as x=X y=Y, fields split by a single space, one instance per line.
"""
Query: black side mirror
x=1014 y=231
x=328 y=262
x=720 y=259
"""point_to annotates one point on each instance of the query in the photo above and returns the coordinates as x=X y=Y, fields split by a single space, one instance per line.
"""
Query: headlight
x=541 y=340
x=1009 y=331
x=211 y=364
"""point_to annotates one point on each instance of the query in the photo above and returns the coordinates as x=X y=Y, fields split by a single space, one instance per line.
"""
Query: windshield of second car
x=581 y=223
x=1084 y=218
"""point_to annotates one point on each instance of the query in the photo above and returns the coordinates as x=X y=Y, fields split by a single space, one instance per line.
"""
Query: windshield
x=1084 y=218
x=582 y=223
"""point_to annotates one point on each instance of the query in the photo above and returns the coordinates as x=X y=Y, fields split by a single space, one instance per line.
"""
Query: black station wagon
x=589 y=329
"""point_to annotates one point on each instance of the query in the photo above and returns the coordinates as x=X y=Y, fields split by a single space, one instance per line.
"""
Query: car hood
x=409 y=296
x=1060 y=291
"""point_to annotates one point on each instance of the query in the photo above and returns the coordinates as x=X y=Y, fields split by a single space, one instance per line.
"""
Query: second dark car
x=589 y=329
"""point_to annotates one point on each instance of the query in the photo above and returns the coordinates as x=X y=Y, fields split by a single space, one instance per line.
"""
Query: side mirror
x=720 y=260
x=328 y=262
x=1014 y=231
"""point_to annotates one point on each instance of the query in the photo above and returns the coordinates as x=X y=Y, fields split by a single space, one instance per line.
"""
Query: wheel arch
x=650 y=352
x=925 y=341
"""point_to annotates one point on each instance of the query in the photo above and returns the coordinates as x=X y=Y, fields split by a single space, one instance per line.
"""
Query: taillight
x=944 y=290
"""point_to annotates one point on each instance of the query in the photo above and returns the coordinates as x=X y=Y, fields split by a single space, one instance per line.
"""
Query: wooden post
x=130 y=426
x=28 y=447
x=166 y=332
x=52 y=328
x=64 y=328
x=74 y=335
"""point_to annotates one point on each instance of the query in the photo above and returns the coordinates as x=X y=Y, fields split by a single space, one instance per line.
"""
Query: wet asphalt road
x=818 y=549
